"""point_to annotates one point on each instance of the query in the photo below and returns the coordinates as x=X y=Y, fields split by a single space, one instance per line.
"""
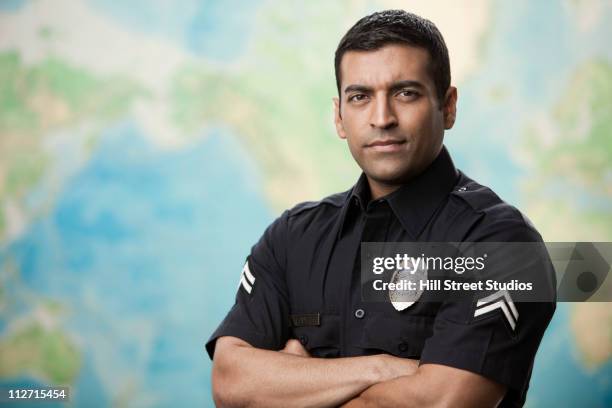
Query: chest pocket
x=322 y=340
x=400 y=335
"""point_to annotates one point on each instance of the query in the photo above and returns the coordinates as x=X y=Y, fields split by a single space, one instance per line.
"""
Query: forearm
x=433 y=386
x=255 y=377
x=246 y=376
x=406 y=392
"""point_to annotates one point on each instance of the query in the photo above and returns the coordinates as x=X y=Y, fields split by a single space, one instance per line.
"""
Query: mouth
x=386 y=145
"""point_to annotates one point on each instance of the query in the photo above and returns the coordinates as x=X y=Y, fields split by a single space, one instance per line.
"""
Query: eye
x=357 y=98
x=408 y=93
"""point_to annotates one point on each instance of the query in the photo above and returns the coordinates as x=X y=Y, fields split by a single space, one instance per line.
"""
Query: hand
x=294 y=347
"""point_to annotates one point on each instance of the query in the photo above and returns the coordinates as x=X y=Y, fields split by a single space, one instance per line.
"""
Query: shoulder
x=332 y=202
x=312 y=219
x=494 y=218
x=296 y=224
x=302 y=217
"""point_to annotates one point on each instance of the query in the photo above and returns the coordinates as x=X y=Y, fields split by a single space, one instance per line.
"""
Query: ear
x=450 y=107
x=338 y=119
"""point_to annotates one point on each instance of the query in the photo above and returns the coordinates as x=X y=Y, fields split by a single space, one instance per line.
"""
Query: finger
x=293 y=346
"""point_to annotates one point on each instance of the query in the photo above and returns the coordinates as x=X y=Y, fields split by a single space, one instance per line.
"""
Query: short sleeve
x=260 y=314
x=494 y=336
x=488 y=345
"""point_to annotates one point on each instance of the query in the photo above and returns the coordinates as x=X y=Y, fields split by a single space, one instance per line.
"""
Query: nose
x=383 y=115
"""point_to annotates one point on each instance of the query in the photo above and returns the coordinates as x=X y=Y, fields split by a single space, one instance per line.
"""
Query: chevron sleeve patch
x=499 y=300
x=247 y=280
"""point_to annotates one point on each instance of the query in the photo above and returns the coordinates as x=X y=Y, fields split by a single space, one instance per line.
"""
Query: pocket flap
x=322 y=340
x=400 y=335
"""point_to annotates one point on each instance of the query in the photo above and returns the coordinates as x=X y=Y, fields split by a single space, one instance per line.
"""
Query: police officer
x=299 y=333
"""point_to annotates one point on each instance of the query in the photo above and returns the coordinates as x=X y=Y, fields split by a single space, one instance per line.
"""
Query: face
x=390 y=114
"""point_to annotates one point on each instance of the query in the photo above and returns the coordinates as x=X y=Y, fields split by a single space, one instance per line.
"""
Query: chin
x=389 y=175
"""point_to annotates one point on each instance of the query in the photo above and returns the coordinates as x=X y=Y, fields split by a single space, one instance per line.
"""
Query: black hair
x=382 y=28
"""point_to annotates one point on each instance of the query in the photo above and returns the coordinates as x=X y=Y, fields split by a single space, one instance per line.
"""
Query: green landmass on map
x=42 y=353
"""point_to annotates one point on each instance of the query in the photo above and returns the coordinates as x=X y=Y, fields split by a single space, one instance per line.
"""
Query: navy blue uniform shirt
x=302 y=280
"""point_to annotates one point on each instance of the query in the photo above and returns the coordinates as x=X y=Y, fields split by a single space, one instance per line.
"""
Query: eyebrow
x=395 y=86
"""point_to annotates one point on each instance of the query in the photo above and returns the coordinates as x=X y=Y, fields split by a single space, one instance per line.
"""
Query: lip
x=386 y=145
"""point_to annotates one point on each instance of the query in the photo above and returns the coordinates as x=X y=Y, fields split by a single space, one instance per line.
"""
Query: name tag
x=303 y=320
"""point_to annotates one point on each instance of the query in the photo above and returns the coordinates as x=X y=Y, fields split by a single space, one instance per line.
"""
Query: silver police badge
x=408 y=288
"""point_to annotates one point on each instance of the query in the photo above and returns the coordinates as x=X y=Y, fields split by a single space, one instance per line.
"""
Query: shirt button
x=303 y=339
x=403 y=347
x=359 y=313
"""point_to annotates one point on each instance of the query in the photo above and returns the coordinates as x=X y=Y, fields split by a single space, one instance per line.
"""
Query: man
x=299 y=333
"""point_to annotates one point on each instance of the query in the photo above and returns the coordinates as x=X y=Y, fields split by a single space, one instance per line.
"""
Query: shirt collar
x=360 y=193
x=415 y=202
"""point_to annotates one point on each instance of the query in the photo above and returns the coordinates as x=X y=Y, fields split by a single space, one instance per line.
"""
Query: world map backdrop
x=146 y=145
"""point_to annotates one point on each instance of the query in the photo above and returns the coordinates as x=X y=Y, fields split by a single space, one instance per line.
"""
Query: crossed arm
x=244 y=376
x=432 y=385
